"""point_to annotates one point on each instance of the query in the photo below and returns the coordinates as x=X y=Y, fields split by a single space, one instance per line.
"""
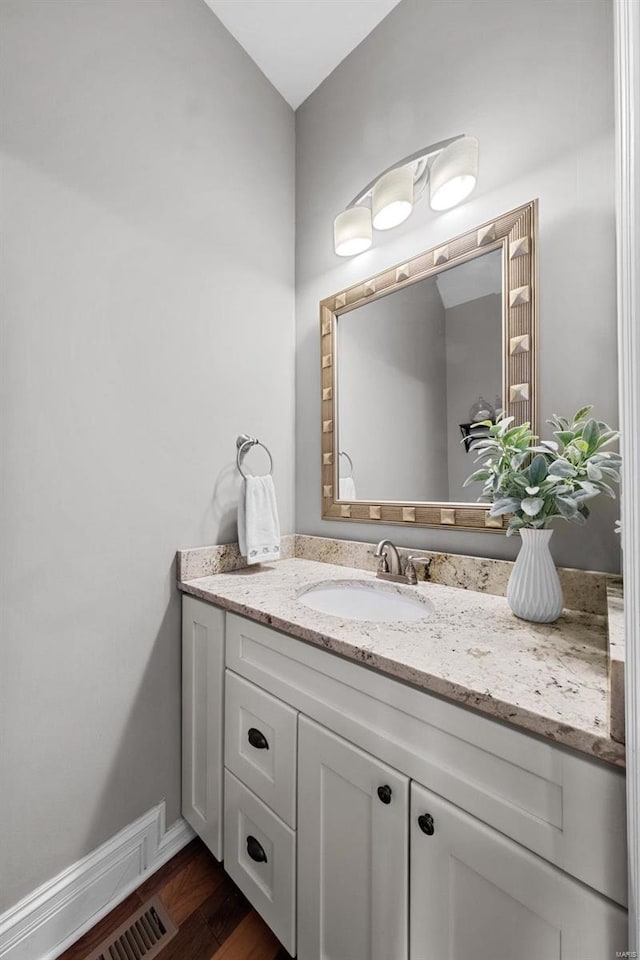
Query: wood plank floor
x=215 y=920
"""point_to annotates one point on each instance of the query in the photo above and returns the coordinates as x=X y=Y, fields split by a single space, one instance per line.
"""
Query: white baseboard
x=47 y=921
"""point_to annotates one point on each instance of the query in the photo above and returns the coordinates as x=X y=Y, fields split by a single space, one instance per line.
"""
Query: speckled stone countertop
x=550 y=679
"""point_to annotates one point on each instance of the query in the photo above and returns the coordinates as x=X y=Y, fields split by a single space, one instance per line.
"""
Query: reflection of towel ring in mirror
x=343 y=454
x=243 y=443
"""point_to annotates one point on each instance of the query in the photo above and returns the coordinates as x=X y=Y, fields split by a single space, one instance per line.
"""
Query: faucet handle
x=411 y=570
x=410 y=573
x=383 y=564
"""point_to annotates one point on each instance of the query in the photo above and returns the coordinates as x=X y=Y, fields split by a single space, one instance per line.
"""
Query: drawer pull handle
x=384 y=793
x=425 y=822
x=256 y=850
x=257 y=739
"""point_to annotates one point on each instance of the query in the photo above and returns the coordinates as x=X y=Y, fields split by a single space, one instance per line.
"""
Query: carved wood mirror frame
x=514 y=234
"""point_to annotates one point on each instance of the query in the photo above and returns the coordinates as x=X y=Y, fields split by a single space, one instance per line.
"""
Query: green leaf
x=482 y=423
x=609 y=473
x=538 y=470
x=591 y=434
x=583 y=413
x=593 y=472
x=564 y=436
x=562 y=488
x=518 y=459
x=532 y=505
x=506 y=505
x=567 y=507
x=516 y=524
x=589 y=488
x=484 y=445
x=562 y=468
x=612 y=437
x=503 y=425
x=515 y=433
x=607 y=456
x=477 y=476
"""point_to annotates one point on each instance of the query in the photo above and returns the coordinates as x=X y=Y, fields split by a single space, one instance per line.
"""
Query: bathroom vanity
x=365 y=792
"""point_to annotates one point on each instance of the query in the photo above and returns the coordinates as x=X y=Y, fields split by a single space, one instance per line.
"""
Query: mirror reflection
x=414 y=370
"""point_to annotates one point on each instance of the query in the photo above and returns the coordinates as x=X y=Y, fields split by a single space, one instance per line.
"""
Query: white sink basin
x=367 y=600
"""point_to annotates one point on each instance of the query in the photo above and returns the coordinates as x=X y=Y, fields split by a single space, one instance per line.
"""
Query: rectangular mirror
x=411 y=359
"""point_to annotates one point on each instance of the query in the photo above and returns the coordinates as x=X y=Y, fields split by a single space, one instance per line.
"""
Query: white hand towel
x=258 y=524
x=347 y=488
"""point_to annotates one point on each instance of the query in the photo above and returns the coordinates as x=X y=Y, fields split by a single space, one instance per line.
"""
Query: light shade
x=352 y=231
x=392 y=198
x=454 y=173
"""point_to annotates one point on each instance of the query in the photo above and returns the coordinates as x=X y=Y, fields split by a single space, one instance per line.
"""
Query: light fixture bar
x=450 y=167
x=423 y=154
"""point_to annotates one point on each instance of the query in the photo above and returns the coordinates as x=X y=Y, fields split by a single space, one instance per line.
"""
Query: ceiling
x=297 y=43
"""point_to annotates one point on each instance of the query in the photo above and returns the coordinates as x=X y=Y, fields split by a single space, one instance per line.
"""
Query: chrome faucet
x=384 y=550
x=388 y=556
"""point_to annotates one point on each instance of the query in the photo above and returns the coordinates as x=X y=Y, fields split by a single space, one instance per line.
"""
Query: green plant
x=539 y=481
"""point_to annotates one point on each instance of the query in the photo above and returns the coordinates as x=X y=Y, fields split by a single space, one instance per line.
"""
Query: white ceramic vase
x=534 y=591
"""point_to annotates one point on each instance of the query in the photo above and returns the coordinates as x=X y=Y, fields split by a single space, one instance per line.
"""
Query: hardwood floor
x=215 y=920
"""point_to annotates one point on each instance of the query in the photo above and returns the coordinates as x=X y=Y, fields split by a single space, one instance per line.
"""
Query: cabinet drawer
x=260 y=744
x=260 y=856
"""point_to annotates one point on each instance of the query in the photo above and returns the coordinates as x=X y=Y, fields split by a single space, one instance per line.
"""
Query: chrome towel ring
x=243 y=443
x=343 y=454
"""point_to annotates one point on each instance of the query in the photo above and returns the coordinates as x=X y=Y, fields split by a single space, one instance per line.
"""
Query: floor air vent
x=144 y=935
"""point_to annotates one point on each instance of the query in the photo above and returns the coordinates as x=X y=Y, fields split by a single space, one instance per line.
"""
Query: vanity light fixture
x=392 y=197
x=352 y=232
x=453 y=174
x=450 y=167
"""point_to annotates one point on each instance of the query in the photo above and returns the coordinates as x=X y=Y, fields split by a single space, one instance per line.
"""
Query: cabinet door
x=202 y=720
x=475 y=893
x=352 y=851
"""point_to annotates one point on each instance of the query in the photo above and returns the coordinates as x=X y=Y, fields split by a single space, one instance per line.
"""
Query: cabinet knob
x=257 y=739
x=425 y=822
x=384 y=793
x=256 y=850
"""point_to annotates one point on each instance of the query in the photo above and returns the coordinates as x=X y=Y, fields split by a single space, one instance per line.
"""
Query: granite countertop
x=550 y=679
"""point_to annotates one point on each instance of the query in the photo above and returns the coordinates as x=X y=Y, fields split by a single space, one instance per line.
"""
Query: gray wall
x=534 y=82
x=392 y=395
x=474 y=369
x=147 y=318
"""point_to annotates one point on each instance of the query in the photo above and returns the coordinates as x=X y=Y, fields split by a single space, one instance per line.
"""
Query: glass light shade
x=392 y=199
x=352 y=231
x=454 y=173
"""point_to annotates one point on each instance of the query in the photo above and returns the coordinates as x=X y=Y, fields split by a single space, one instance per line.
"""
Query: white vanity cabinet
x=352 y=851
x=493 y=843
x=203 y=630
